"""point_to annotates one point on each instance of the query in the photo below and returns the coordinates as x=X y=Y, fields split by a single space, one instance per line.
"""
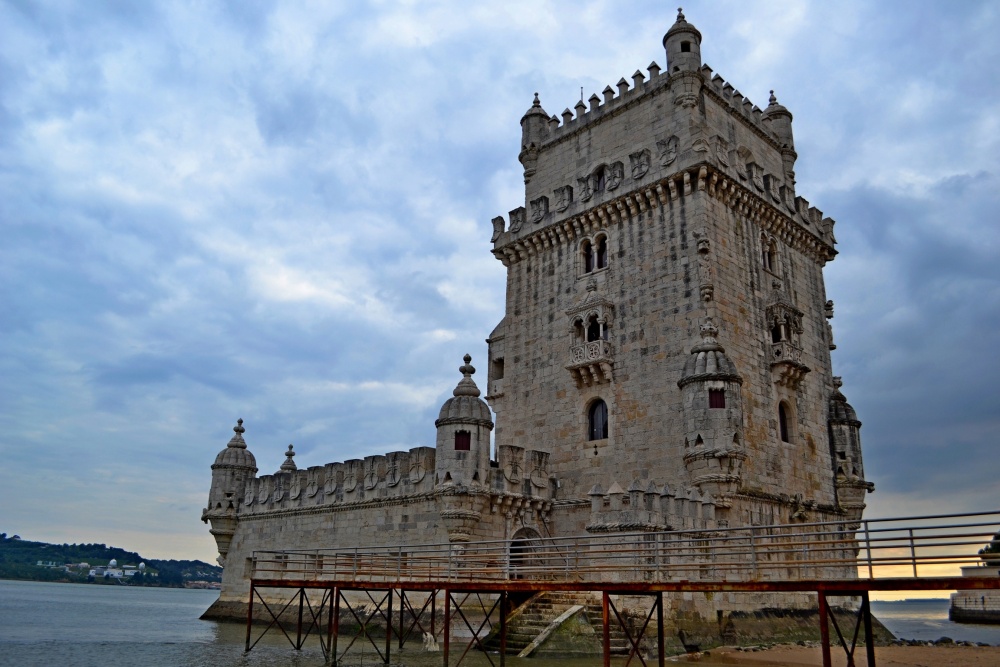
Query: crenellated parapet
x=648 y=507
x=396 y=475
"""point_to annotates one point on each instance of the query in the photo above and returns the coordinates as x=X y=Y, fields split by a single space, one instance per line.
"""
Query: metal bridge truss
x=831 y=559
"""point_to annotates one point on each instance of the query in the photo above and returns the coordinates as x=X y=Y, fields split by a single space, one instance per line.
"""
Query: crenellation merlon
x=597 y=105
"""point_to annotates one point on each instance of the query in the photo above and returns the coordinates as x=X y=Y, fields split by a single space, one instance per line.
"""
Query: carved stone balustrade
x=591 y=362
x=787 y=368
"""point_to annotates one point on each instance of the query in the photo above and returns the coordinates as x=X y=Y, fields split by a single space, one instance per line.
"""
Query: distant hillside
x=19 y=560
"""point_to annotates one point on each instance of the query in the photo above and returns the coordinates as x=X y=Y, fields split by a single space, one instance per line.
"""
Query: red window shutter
x=463 y=441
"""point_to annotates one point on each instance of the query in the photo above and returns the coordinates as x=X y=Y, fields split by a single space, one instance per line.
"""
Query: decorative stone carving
x=722 y=152
x=539 y=209
x=640 y=163
x=393 y=473
x=586 y=189
x=616 y=173
x=351 y=474
x=498 y=225
x=512 y=466
x=539 y=469
x=418 y=469
x=700 y=146
x=312 y=485
x=564 y=197
x=756 y=173
x=517 y=219
x=371 y=473
x=668 y=150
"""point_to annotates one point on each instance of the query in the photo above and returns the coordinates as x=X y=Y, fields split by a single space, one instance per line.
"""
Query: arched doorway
x=522 y=557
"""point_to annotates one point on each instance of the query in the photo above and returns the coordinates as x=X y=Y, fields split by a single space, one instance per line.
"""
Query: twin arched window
x=597 y=421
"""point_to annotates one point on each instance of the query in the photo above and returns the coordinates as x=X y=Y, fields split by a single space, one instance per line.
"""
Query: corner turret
x=462 y=460
x=845 y=440
x=534 y=129
x=233 y=468
x=713 y=417
x=683 y=45
x=463 y=434
x=779 y=119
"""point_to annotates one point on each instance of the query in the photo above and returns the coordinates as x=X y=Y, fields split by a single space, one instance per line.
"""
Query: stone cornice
x=701 y=177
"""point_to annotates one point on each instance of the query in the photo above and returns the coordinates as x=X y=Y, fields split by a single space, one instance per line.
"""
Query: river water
x=81 y=625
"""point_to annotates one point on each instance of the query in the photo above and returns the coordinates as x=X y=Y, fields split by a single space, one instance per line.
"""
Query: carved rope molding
x=702 y=177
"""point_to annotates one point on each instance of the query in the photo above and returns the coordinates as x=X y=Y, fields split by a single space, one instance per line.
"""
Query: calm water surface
x=84 y=625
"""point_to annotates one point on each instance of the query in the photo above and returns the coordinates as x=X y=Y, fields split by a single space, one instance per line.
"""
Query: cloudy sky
x=280 y=211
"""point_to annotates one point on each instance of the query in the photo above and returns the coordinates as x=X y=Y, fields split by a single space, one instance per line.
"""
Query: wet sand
x=885 y=656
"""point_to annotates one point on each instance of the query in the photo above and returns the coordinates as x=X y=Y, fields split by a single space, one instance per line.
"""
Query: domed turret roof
x=774 y=108
x=236 y=452
x=708 y=361
x=840 y=409
x=465 y=405
x=536 y=110
x=681 y=25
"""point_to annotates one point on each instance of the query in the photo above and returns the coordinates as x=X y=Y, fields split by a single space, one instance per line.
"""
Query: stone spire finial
x=709 y=331
x=466 y=386
x=237 y=440
x=537 y=102
x=289 y=464
x=680 y=14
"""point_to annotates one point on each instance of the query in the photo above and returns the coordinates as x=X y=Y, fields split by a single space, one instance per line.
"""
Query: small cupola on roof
x=534 y=130
x=780 y=120
x=708 y=360
x=236 y=452
x=683 y=45
x=465 y=404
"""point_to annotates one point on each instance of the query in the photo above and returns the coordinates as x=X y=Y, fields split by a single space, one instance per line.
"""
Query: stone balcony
x=787 y=368
x=591 y=362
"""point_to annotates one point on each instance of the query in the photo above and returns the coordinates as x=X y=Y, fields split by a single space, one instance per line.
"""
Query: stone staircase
x=533 y=617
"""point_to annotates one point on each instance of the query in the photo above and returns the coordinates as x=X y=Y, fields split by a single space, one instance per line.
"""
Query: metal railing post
x=868 y=550
x=913 y=553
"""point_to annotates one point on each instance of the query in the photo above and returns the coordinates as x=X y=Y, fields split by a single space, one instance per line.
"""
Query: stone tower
x=666 y=311
x=463 y=456
x=233 y=468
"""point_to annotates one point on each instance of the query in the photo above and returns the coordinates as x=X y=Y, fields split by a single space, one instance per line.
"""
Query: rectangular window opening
x=716 y=398
x=463 y=441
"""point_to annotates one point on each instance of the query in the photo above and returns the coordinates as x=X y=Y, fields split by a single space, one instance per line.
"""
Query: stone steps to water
x=532 y=618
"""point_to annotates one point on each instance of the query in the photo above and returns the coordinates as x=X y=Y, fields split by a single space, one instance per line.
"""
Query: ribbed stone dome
x=465 y=405
x=708 y=360
x=236 y=452
x=840 y=409
x=682 y=26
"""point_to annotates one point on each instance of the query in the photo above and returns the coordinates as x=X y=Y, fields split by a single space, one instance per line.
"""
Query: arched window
x=463 y=441
x=769 y=253
x=602 y=252
x=588 y=257
x=783 y=422
x=597 y=419
x=594 y=331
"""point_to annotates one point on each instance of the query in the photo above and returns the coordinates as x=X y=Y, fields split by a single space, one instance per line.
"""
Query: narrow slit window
x=783 y=422
x=602 y=252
